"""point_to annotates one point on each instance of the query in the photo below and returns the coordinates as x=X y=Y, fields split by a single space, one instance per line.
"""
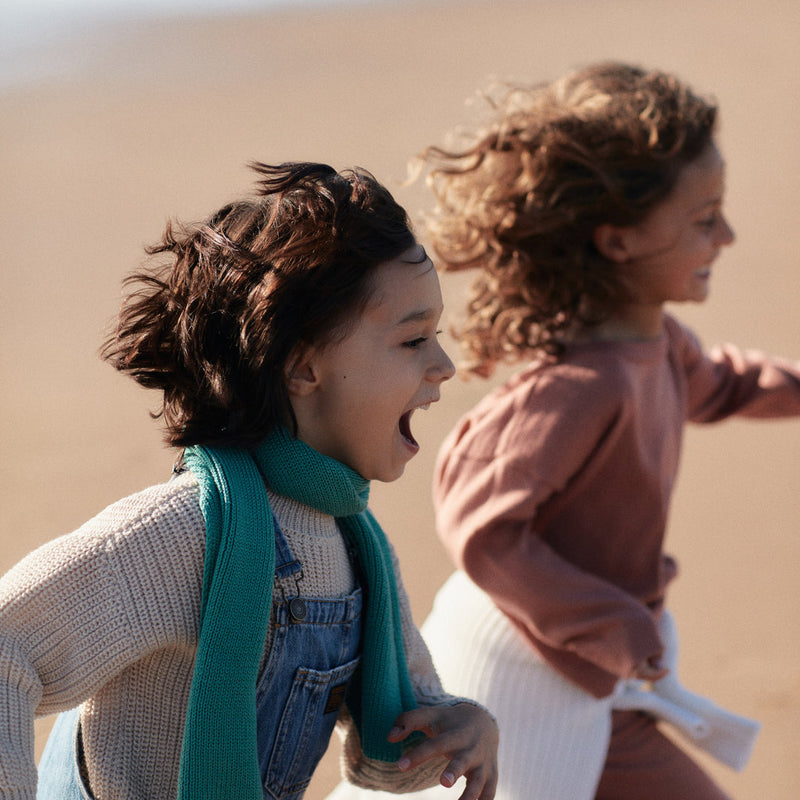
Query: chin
x=392 y=476
x=389 y=473
x=696 y=294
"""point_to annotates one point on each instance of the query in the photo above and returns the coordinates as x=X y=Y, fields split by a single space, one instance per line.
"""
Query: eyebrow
x=421 y=315
x=707 y=204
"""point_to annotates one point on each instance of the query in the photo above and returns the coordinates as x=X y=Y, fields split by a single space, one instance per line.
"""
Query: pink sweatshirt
x=553 y=492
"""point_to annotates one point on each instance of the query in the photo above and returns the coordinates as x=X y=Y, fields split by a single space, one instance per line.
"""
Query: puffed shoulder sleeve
x=78 y=610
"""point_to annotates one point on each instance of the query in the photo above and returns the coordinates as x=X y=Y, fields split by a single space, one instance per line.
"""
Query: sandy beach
x=158 y=119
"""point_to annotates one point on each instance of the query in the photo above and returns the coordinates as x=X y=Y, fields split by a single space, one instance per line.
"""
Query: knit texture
x=219 y=757
x=108 y=616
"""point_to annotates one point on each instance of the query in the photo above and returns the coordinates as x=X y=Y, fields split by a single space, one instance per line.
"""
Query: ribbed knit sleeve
x=428 y=690
x=20 y=691
x=78 y=612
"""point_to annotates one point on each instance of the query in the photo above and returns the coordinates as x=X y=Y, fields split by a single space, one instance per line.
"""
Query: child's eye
x=413 y=344
x=708 y=223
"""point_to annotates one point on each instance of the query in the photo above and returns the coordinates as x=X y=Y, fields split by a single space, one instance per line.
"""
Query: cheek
x=701 y=242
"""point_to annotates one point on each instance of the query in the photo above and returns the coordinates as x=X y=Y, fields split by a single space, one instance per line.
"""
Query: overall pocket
x=304 y=730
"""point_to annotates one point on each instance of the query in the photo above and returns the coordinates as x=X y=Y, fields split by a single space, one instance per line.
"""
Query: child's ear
x=301 y=375
x=612 y=242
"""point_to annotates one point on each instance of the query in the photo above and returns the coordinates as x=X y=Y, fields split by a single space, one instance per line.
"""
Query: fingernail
x=449 y=777
x=404 y=763
x=396 y=731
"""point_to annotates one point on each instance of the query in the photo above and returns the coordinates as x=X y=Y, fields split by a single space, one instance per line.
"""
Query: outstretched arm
x=730 y=381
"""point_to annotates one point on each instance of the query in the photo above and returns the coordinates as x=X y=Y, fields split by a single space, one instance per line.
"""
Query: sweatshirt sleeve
x=72 y=617
x=495 y=476
x=562 y=606
x=730 y=381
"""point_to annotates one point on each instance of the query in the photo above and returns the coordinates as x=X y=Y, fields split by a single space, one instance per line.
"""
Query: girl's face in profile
x=669 y=254
x=354 y=398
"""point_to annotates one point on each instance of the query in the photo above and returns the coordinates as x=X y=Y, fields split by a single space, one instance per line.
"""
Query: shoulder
x=158 y=524
x=571 y=394
x=682 y=341
x=133 y=559
x=175 y=503
x=161 y=526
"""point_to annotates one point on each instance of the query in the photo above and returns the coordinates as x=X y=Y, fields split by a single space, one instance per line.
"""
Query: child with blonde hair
x=201 y=638
x=585 y=205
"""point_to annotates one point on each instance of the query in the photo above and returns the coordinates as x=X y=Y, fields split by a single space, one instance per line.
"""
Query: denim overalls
x=314 y=652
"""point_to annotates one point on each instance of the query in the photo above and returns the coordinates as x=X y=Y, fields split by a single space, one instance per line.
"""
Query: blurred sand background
x=153 y=119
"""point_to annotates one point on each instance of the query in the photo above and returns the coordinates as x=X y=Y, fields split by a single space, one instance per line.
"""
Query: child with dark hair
x=585 y=205
x=202 y=637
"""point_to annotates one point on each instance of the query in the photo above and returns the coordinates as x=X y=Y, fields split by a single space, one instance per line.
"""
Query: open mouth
x=405 y=425
x=405 y=428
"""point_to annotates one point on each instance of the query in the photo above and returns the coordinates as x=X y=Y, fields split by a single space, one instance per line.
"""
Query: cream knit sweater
x=107 y=617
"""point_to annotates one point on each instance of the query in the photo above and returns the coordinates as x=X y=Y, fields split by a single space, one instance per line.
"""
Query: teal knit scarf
x=219 y=760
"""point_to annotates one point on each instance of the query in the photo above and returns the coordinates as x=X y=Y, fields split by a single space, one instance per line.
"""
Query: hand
x=464 y=733
x=650 y=670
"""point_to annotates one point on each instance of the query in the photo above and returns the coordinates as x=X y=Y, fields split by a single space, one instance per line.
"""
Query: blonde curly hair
x=522 y=199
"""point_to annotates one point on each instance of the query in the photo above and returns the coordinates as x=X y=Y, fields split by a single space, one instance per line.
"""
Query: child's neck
x=629 y=323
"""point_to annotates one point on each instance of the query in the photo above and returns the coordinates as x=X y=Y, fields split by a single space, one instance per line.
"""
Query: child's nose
x=727 y=234
x=443 y=368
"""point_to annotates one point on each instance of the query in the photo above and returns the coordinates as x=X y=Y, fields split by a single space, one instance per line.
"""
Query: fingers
x=480 y=788
x=481 y=782
x=426 y=720
x=465 y=734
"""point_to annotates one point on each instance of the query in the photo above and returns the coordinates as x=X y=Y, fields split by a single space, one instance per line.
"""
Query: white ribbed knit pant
x=553 y=735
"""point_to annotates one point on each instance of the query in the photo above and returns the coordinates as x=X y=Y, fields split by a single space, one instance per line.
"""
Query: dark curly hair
x=522 y=198
x=215 y=326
